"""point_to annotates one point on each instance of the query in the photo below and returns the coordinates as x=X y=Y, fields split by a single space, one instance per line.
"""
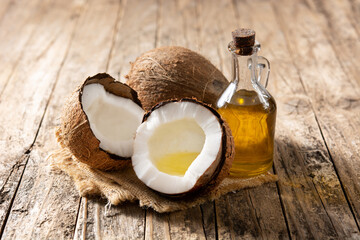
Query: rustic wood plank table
x=48 y=47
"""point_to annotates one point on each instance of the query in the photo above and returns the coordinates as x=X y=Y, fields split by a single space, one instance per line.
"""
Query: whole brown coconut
x=174 y=73
x=75 y=134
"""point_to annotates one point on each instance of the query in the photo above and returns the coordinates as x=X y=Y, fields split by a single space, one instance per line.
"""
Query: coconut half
x=99 y=122
x=181 y=146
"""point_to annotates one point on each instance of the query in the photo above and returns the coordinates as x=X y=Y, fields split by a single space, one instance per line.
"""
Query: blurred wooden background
x=48 y=47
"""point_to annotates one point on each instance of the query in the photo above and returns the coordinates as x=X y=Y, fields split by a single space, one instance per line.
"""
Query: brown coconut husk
x=75 y=134
x=175 y=72
x=221 y=165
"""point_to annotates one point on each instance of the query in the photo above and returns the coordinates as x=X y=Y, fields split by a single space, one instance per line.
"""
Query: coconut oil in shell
x=175 y=163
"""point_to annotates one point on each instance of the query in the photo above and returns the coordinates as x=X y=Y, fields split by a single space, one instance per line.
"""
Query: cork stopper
x=243 y=37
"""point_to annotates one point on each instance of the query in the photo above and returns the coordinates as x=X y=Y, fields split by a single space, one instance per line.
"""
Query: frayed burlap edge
x=123 y=185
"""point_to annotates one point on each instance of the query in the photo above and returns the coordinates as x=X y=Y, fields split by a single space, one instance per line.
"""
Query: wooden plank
x=157 y=225
x=332 y=93
x=251 y=214
x=342 y=34
x=18 y=21
x=208 y=213
x=347 y=12
x=171 y=29
x=109 y=222
x=135 y=35
x=46 y=200
x=306 y=171
x=209 y=32
x=184 y=224
x=25 y=101
x=265 y=204
x=52 y=214
x=236 y=217
x=189 y=24
x=215 y=47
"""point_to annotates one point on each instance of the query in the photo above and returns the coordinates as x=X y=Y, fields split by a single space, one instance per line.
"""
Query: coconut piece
x=99 y=122
x=174 y=73
x=182 y=146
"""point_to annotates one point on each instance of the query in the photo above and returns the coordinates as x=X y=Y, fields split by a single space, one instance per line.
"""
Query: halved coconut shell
x=172 y=127
x=75 y=132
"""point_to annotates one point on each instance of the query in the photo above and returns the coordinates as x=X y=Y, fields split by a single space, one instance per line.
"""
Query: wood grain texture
x=23 y=18
x=185 y=224
x=343 y=36
x=134 y=35
x=50 y=217
x=341 y=32
x=97 y=220
x=49 y=47
x=26 y=102
x=327 y=85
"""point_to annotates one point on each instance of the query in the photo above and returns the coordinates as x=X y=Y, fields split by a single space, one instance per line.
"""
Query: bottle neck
x=244 y=73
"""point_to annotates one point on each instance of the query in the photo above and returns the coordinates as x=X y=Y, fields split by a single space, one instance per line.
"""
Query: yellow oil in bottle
x=175 y=163
x=253 y=128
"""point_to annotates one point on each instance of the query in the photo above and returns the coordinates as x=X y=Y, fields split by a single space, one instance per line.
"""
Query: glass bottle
x=248 y=107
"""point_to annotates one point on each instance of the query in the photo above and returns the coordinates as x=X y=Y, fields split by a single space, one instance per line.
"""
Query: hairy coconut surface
x=174 y=73
x=210 y=177
x=75 y=134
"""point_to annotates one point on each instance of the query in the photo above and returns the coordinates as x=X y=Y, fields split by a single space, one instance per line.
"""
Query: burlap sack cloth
x=123 y=185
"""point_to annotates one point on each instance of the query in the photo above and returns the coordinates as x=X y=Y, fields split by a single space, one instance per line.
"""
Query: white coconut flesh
x=113 y=119
x=175 y=146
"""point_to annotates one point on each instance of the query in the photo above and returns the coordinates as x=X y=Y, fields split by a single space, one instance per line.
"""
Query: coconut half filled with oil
x=180 y=147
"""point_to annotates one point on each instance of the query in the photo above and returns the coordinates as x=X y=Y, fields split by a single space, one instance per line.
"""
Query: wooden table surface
x=48 y=47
